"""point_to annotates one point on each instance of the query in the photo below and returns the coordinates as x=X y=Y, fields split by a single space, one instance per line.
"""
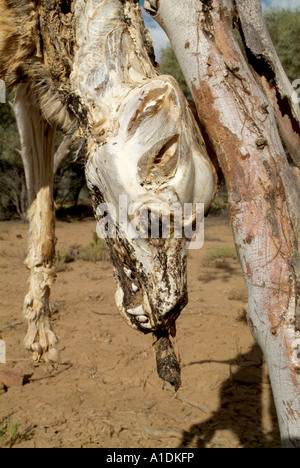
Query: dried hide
x=36 y=46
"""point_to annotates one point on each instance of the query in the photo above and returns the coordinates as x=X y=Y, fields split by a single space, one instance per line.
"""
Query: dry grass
x=13 y=253
x=218 y=257
x=238 y=294
x=8 y=432
x=95 y=251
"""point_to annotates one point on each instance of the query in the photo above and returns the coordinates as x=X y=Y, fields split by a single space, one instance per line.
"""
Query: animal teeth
x=134 y=287
x=146 y=325
x=137 y=311
x=127 y=272
x=142 y=319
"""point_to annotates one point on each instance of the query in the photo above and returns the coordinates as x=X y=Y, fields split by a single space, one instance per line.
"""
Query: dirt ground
x=106 y=392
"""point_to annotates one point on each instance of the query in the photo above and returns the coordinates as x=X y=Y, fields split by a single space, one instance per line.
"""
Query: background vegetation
x=69 y=180
x=284 y=29
x=70 y=188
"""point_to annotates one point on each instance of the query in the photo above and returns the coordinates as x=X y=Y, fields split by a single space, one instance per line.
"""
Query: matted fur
x=36 y=46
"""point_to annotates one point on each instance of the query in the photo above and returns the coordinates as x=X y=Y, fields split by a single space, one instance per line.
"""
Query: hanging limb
x=265 y=63
x=61 y=152
x=263 y=190
x=37 y=140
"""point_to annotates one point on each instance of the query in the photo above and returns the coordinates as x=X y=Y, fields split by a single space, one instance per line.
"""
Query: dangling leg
x=38 y=138
x=40 y=261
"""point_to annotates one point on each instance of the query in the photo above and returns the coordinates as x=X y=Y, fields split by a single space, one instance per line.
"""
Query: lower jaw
x=142 y=318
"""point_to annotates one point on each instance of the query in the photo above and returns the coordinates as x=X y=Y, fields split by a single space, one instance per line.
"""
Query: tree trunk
x=263 y=190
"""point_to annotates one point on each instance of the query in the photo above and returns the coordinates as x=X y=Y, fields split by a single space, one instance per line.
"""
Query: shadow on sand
x=240 y=408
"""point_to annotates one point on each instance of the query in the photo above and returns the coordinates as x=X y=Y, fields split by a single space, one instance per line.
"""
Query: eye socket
x=167 y=151
x=149 y=105
x=160 y=163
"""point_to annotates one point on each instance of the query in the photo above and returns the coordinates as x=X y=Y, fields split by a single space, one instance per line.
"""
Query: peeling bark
x=265 y=63
x=263 y=190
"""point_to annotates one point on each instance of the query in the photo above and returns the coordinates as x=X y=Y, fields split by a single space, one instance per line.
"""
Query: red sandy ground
x=106 y=392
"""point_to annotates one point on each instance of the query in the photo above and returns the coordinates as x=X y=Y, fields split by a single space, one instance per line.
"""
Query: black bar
x=139 y=457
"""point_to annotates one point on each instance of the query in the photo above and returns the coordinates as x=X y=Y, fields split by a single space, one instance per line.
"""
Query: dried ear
x=160 y=162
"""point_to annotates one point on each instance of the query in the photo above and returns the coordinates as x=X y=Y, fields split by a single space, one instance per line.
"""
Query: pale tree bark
x=266 y=66
x=240 y=120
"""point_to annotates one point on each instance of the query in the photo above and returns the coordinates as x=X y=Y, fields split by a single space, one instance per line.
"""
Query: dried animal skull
x=157 y=159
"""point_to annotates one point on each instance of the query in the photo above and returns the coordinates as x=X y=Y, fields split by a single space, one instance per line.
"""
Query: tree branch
x=265 y=63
